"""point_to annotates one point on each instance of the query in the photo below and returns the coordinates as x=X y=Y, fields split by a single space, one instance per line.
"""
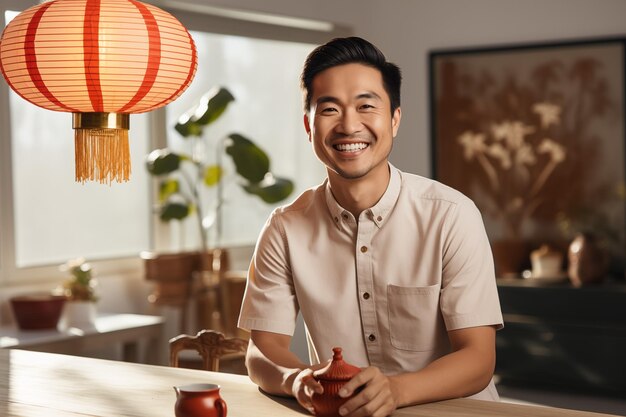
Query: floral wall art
x=534 y=134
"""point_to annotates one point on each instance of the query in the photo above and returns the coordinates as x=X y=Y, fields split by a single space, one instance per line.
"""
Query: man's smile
x=351 y=147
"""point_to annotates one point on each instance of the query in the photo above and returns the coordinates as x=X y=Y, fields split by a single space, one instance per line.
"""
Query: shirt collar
x=378 y=213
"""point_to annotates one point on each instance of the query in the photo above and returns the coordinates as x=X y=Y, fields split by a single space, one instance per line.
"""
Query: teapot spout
x=177 y=389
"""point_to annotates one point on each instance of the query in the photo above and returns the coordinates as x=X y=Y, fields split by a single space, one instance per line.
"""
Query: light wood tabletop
x=34 y=384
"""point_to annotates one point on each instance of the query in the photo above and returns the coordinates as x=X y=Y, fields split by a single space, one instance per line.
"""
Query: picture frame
x=534 y=134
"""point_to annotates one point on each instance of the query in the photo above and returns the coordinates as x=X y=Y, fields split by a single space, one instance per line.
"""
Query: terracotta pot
x=332 y=377
x=172 y=275
x=199 y=400
x=170 y=266
x=37 y=311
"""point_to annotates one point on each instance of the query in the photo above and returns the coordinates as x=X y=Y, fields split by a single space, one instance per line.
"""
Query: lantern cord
x=102 y=155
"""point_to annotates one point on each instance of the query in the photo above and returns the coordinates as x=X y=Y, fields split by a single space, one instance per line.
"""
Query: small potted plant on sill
x=80 y=291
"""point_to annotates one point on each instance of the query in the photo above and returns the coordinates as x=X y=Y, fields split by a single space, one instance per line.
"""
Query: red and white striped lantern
x=100 y=60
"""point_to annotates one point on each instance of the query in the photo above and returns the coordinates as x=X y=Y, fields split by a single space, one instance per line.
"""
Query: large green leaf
x=209 y=108
x=277 y=191
x=162 y=161
x=250 y=160
x=174 y=211
x=167 y=188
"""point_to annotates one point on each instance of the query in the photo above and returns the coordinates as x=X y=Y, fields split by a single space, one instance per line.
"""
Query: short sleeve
x=469 y=295
x=269 y=302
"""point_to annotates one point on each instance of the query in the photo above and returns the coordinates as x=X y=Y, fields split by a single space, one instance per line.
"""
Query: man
x=394 y=268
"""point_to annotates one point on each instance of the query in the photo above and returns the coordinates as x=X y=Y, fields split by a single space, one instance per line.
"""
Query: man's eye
x=329 y=110
x=367 y=106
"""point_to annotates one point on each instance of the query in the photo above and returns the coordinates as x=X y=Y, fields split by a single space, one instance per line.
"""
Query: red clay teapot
x=332 y=377
x=199 y=400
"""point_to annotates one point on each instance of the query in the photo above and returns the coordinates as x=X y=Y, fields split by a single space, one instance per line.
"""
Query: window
x=46 y=218
x=263 y=76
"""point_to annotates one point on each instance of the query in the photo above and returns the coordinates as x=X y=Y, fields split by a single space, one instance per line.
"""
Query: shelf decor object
x=100 y=60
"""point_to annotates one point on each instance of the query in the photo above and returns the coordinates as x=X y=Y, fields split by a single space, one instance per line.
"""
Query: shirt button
x=336 y=219
x=345 y=216
x=379 y=218
x=371 y=337
x=366 y=296
x=363 y=249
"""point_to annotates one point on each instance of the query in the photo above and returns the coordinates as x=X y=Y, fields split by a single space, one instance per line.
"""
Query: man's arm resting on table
x=271 y=365
x=463 y=372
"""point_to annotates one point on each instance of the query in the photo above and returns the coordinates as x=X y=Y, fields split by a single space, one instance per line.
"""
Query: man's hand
x=377 y=398
x=303 y=388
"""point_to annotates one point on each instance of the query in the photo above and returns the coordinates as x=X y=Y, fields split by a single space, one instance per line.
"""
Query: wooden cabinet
x=562 y=336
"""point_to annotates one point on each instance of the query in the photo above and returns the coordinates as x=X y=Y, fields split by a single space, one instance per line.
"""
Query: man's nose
x=350 y=122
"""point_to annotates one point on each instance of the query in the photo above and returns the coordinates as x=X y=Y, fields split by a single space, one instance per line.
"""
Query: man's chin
x=353 y=174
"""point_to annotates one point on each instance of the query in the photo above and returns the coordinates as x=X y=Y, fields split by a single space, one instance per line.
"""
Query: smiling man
x=394 y=268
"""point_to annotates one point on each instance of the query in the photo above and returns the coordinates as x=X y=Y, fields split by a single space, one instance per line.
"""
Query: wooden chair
x=211 y=345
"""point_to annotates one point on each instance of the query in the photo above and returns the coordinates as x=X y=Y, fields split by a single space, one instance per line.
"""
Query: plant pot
x=172 y=275
x=79 y=313
x=37 y=311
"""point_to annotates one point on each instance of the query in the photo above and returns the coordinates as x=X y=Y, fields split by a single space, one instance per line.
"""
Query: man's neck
x=356 y=195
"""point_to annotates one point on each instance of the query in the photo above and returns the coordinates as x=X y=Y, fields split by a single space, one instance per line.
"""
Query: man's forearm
x=452 y=376
x=273 y=372
x=461 y=373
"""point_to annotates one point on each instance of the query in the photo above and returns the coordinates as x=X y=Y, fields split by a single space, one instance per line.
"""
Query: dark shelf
x=560 y=335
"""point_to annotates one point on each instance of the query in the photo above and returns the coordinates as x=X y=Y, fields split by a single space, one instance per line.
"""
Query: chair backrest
x=211 y=345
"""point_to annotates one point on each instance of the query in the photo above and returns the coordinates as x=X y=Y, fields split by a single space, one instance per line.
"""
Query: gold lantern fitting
x=101 y=147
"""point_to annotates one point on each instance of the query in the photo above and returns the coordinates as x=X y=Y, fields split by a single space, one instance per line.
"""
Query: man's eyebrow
x=369 y=94
x=326 y=99
x=331 y=99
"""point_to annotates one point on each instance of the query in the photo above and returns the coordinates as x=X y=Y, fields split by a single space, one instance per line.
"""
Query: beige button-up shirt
x=386 y=288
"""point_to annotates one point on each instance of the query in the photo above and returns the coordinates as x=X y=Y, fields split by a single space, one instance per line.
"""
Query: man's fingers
x=311 y=384
x=356 y=382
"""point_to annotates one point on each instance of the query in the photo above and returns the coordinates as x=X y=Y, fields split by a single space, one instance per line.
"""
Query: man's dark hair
x=340 y=51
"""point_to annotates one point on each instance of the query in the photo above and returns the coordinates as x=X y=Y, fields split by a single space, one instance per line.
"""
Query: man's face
x=349 y=121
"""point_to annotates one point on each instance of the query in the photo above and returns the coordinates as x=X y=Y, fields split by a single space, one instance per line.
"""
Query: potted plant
x=183 y=178
x=80 y=292
x=184 y=184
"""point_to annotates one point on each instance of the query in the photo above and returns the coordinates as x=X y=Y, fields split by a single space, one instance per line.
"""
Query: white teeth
x=351 y=147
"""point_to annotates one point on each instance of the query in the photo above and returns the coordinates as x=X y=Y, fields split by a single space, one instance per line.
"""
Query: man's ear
x=307 y=125
x=395 y=121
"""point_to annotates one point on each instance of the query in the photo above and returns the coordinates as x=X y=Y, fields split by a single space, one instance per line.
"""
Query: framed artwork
x=534 y=135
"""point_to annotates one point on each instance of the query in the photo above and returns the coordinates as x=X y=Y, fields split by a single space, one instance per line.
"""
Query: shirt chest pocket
x=413 y=317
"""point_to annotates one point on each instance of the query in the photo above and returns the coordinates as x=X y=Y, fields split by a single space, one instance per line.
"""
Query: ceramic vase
x=80 y=313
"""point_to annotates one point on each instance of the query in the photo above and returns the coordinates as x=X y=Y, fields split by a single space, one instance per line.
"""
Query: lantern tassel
x=101 y=147
x=102 y=155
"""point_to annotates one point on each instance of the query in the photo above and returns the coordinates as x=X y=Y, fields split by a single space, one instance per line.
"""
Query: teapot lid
x=337 y=369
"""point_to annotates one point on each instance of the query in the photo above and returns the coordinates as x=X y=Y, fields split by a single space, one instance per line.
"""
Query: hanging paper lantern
x=100 y=60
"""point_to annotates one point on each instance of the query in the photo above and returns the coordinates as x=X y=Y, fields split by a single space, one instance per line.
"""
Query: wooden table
x=108 y=330
x=34 y=384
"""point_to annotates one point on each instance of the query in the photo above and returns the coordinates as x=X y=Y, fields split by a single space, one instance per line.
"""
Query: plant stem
x=220 y=194
x=196 y=197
